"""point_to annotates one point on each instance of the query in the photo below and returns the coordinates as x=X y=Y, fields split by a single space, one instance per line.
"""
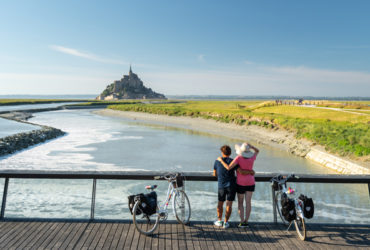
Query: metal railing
x=149 y=175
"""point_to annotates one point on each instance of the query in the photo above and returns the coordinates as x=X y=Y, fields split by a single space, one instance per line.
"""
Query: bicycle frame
x=171 y=191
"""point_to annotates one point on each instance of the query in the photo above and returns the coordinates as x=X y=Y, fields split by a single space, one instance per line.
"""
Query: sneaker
x=226 y=224
x=219 y=223
x=243 y=224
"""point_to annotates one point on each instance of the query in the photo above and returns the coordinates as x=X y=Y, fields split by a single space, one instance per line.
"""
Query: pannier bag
x=131 y=203
x=288 y=208
x=308 y=206
x=148 y=203
x=179 y=180
x=275 y=186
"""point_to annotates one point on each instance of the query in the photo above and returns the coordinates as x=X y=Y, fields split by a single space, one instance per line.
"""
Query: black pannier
x=131 y=203
x=288 y=208
x=150 y=206
x=148 y=203
x=179 y=180
x=308 y=206
x=275 y=186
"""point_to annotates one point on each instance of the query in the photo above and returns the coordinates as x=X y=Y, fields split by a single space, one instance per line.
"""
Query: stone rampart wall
x=333 y=162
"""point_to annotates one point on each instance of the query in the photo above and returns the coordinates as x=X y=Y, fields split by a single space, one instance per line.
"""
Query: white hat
x=244 y=150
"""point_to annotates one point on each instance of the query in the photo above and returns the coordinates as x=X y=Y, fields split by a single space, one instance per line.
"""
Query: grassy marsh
x=344 y=133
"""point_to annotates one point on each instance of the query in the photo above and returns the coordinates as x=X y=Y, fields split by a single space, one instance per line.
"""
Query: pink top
x=245 y=164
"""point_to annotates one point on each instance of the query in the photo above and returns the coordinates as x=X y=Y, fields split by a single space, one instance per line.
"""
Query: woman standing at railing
x=245 y=183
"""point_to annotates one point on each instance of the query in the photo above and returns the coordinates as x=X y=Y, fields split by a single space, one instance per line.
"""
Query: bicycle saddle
x=152 y=187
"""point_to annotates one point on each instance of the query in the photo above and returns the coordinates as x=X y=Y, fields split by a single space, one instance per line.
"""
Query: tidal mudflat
x=95 y=142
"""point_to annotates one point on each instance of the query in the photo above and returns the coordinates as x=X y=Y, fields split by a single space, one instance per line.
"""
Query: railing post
x=93 y=195
x=5 y=193
x=274 y=204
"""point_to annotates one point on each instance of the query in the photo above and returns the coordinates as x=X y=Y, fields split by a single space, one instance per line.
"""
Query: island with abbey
x=129 y=87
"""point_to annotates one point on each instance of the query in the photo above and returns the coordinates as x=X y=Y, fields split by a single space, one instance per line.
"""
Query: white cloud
x=262 y=81
x=248 y=62
x=201 y=58
x=320 y=75
x=249 y=80
x=86 y=55
x=43 y=84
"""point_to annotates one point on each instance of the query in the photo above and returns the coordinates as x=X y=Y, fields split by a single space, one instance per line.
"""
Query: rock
x=11 y=144
x=129 y=87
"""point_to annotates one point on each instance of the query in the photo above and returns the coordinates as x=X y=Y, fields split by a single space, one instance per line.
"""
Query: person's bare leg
x=229 y=208
x=220 y=208
x=248 y=205
x=241 y=206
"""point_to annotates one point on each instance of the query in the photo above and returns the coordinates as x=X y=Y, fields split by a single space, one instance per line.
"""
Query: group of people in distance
x=235 y=176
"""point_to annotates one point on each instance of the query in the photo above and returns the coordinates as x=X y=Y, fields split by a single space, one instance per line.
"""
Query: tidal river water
x=101 y=143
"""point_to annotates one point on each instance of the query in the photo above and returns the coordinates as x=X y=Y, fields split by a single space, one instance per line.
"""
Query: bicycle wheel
x=145 y=224
x=300 y=227
x=181 y=206
x=278 y=208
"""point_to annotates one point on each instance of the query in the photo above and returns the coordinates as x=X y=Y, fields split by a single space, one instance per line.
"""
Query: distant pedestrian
x=245 y=183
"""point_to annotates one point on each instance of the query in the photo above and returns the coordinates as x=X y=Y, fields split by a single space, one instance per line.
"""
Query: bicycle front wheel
x=181 y=206
x=145 y=224
x=300 y=227
x=278 y=208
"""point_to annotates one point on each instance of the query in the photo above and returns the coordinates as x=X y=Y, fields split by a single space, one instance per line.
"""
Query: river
x=95 y=142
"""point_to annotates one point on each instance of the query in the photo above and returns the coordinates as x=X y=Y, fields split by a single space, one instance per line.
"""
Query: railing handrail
x=190 y=176
x=149 y=175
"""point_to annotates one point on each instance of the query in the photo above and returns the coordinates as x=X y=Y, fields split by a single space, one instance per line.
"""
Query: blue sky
x=319 y=48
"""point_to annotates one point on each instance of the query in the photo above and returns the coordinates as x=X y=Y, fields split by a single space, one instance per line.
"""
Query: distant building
x=129 y=87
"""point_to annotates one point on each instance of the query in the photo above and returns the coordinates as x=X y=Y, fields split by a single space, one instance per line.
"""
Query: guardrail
x=149 y=175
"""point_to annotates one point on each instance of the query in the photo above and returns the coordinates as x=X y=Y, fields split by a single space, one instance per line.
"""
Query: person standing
x=245 y=184
x=226 y=186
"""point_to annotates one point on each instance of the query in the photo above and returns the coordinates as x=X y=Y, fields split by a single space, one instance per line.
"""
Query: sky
x=298 y=48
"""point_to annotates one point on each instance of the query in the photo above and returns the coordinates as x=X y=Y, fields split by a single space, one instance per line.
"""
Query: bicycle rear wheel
x=278 y=208
x=181 y=206
x=300 y=227
x=145 y=224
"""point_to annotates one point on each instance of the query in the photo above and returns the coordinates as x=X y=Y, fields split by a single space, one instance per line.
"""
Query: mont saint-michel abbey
x=129 y=87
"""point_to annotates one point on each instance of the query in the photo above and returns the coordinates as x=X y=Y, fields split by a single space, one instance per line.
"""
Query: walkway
x=171 y=235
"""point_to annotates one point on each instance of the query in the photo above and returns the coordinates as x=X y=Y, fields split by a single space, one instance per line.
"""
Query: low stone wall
x=333 y=162
x=13 y=143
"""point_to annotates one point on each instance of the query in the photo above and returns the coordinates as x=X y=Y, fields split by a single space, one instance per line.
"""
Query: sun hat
x=244 y=150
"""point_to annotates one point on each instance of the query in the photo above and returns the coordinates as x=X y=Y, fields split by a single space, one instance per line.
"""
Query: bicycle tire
x=300 y=227
x=278 y=208
x=181 y=207
x=145 y=224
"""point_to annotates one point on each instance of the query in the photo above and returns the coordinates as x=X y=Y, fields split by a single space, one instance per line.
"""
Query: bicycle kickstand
x=290 y=224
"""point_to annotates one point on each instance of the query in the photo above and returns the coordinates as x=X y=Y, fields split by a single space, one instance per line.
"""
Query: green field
x=361 y=105
x=340 y=132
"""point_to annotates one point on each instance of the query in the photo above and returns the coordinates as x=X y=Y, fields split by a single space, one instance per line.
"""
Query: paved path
x=171 y=235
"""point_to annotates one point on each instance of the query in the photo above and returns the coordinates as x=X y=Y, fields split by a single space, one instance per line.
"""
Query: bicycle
x=296 y=214
x=146 y=223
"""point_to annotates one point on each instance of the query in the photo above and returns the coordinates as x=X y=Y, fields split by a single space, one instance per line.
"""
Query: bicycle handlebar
x=168 y=177
x=282 y=179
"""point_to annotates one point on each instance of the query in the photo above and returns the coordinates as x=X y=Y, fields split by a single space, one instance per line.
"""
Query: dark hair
x=226 y=150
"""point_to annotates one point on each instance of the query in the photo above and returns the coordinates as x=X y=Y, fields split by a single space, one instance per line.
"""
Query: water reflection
x=9 y=127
